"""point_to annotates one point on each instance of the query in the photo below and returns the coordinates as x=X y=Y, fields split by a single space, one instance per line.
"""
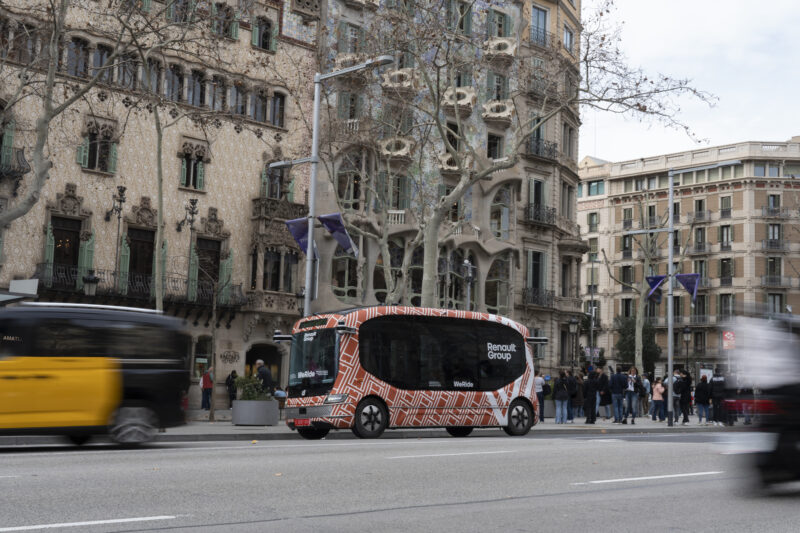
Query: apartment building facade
x=736 y=209
x=516 y=230
x=226 y=116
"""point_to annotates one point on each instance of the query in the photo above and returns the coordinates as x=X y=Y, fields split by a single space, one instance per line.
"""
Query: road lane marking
x=447 y=454
x=644 y=478
x=6 y=477
x=88 y=523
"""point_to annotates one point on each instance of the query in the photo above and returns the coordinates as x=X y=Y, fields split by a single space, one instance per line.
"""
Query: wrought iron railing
x=536 y=296
x=779 y=212
x=773 y=244
x=540 y=214
x=541 y=37
x=540 y=148
x=776 y=281
x=68 y=278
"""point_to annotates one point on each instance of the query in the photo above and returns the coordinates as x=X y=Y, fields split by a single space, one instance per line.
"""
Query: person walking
x=702 y=395
x=633 y=389
x=618 y=384
x=264 y=375
x=572 y=388
x=207 y=384
x=658 y=400
x=590 y=397
x=561 y=396
x=717 y=396
x=686 y=395
x=676 y=394
x=230 y=384
x=644 y=399
x=577 y=400
x=538 y=387
x=603 y=394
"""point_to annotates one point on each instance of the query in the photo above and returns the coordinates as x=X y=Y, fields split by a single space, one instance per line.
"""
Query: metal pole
x=670 y=274
x=591 y=314
x=116 y=251
x=312 y=199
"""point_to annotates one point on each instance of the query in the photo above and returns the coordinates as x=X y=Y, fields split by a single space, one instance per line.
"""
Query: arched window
x=78 y=58
x=272 y=183
x=277 y=110
x=264 y=34
x=453 y=276
x=500 y=213
x=258 y=106
x=353 y=167
x=290 y=261
x=223 y=21
x=174 y=78
x=415 y=276
x=378 y=279
x=344 y=275
x=497 y=285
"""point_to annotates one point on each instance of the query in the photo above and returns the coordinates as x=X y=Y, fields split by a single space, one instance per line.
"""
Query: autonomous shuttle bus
x=375 y=368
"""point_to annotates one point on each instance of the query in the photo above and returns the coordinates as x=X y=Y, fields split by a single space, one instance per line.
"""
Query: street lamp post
x=469 y=277
x=573 y=330
x=687 y=337
x=314 y=160
x=116 y=209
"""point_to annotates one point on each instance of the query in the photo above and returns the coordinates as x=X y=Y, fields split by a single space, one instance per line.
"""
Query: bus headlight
x=335 y=398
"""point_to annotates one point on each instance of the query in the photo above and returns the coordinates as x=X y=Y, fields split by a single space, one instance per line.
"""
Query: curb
x=42 y=440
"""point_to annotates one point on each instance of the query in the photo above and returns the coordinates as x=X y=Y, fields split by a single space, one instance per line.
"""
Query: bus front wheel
x=520 y=419
x=371 y=419
x=459 y=431
x=313 y=433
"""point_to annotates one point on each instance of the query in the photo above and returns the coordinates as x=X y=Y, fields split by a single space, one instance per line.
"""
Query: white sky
x=746 y=53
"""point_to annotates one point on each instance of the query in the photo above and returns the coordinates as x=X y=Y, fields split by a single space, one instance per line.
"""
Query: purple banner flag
x=298 y=227
x=690 y=283
x=655 y=292
x=335 y=226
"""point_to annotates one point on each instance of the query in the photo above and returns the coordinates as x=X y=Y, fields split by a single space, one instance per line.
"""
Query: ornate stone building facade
x=224 y=121
x=517 y=229
x=736 y=218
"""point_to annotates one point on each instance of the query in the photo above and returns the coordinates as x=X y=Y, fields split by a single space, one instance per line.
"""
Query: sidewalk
x=200 y=430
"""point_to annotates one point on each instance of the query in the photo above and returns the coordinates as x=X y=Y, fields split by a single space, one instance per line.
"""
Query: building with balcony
x=517 y=228
x=224 y=239
x=737 y=213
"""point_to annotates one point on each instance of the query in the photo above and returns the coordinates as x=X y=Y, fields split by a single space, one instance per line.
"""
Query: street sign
x=728 y=340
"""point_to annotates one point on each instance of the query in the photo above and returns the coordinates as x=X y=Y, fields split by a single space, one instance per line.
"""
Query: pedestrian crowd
x=626 y=396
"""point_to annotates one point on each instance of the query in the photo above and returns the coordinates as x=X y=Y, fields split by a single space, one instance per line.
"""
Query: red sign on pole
x=728 y=340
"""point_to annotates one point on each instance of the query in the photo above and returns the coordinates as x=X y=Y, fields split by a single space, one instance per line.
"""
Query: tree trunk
x=430 y=260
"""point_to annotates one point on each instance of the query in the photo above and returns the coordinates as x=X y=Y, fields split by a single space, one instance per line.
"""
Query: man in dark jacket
x=717 y=396
x=702 y=395
x=590 y=397
x=266 y=378
x=572 y=388
x=618 y=384
x=603 y=394
x=686 y=395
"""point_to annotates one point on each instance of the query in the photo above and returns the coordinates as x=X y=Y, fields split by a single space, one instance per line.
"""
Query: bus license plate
x=302 y=422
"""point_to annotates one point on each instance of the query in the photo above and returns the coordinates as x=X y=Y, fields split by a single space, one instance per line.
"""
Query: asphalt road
x=583 y=483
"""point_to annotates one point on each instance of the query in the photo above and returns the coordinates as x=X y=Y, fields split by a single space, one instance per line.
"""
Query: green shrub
x=250 y=389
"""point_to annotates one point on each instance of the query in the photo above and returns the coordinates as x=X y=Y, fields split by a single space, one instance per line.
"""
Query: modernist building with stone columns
x=518 y=228
x=237 y=235
x=736 y=212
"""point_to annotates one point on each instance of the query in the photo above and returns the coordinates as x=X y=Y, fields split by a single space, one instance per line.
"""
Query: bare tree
x=437 y=81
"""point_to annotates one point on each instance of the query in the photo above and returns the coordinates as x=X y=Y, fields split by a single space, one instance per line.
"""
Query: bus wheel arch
x=371 y=418
x=520 y=417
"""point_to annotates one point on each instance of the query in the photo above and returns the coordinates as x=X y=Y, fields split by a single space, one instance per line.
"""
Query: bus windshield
x=313 y=364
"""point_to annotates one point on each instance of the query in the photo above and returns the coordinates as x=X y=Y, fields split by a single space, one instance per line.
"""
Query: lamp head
x=380 y=61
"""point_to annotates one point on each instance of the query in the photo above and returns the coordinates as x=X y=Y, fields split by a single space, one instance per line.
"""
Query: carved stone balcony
x=447 y=164
x=308 y=9
x=459 y=100
x=540 y=214
x=272 y=301
x=397 y=149
x=401 y=83
x=13 y=164
x=396 y=217
x=500 y=50
x=498 y=113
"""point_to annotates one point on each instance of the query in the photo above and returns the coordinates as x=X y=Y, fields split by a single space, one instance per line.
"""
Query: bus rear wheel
x=313 y=433
x=371 y=419
x=459 y=431
x=520 y=419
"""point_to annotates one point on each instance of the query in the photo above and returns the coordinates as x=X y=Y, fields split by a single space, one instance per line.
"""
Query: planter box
x=255 y=413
